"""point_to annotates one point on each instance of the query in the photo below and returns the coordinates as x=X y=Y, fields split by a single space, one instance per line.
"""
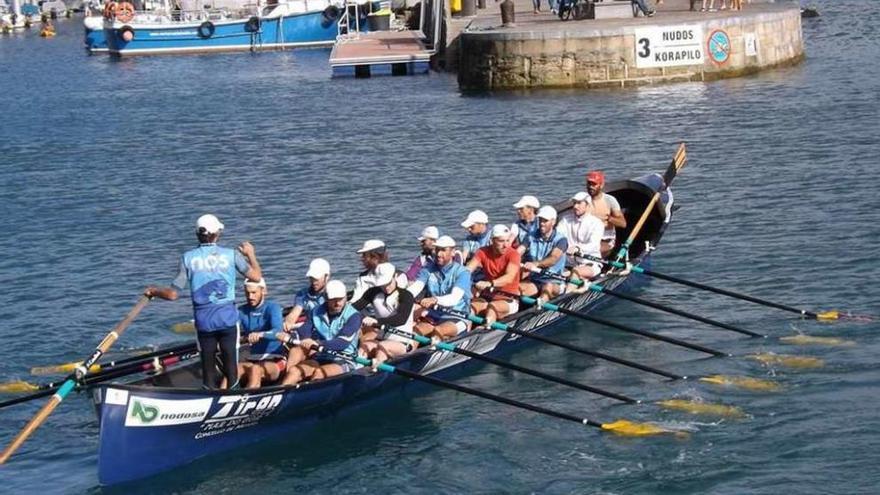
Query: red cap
x=596 y=176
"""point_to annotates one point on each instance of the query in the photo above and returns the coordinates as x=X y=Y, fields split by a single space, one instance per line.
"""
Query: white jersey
x=584 y=232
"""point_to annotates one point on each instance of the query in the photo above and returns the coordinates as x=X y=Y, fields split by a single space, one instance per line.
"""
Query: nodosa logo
x=146 y=411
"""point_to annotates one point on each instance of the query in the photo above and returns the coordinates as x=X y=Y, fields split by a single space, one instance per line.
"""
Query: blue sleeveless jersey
x=325 y=330
x=309 y=300
x=211 y=273
x=264 y=318
x=474 y=242
x=440 y=281
x=526 y=230
x=540 y=248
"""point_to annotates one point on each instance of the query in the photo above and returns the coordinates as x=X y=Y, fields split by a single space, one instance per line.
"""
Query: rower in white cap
x=429 y=236
x=500 y=264
x=545 y=254
x=584 y=234
x=393 y=308
x=477 y=226
x=527 y=223
x=334 y=325
x=310 y=297
x=448 y=285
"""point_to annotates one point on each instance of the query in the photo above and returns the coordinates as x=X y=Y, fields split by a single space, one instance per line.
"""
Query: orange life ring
x=125 y=12
x=110 y=10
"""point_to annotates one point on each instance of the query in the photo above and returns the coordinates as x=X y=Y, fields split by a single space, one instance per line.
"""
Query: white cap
x=430 y=232
x=527 y=201
x=582 y=196
x=209 y=223
x=500 y=230
x=335 y=289
x=372 y=245
x=250 y=283
x=319 y=267
x=547 y=213
x=384 y=273
x=476 y=216
x=445 y=242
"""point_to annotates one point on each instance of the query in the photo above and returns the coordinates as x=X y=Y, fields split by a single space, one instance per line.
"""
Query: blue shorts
x=345 y=364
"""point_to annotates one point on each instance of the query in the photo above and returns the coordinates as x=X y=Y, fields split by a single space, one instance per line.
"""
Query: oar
x=619 y=326
x=156 y=364
x=71 y=381
x=69 y=367
x=22 y=386
x=678 y=162
x=622 y=426
x=650 y=304
x=445 y=346
x=558 y=343
x=824 y=316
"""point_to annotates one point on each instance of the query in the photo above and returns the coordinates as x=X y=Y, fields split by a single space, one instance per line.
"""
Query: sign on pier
x=669 y=46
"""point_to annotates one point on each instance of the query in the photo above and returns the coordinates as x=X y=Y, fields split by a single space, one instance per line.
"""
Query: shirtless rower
x=393 y=308
x=584 y=234
x=545 y=252
x=606 y=208
x=335 y=325
x=448 y=284
x=500 y=264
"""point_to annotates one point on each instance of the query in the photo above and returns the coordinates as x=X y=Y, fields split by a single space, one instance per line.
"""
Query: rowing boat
x=166 y=421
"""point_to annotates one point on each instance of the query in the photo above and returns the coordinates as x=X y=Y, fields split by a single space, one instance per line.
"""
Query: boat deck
x=380 y=53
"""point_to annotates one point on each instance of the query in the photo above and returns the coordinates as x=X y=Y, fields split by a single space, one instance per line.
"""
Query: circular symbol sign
x=719 y=46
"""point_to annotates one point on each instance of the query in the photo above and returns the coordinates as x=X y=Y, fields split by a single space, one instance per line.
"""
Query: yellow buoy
x=704 y=408
x=801 y=339
x=743 y=382
x=788 y=361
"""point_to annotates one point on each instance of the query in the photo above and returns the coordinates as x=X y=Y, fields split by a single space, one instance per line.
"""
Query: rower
x=210 y=272
x=261 y=318
x=448 y=284
x=373 y=252
x=426 y=240
x=584 y=234
x=477 y=226
x=501 y=269
x=309 y=298
x=393 y=307
x=545 y=251
x=527 y=222
x=606 y=208
x=335 y=325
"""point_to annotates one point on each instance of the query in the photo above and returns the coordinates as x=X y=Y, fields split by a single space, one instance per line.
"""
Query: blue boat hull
x=289 y=31
x=151 y=426
x=95 y=40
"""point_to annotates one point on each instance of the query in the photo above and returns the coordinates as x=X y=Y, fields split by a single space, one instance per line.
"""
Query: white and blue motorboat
x=284 y=24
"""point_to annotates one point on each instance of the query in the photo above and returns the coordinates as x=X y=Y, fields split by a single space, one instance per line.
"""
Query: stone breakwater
x=670 y=47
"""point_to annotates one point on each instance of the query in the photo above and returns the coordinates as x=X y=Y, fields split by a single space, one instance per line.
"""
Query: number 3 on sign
x=645 y=52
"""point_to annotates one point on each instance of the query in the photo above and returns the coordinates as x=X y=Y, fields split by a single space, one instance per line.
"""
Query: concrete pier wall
x=635 y=52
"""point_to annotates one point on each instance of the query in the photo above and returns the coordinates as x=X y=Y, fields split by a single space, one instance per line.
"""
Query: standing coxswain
x=210 y=270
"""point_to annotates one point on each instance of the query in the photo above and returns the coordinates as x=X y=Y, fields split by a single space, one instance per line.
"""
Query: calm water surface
x=105 y=166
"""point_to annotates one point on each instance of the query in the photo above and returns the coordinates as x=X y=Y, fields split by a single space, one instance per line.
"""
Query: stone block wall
x=580 y=56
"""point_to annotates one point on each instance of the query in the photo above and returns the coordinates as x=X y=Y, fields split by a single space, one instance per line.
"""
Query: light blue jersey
x=308 y=300
x=439 y=281
x=264 y=318
x=472 y=243
x=540 y=248
x=210 y=272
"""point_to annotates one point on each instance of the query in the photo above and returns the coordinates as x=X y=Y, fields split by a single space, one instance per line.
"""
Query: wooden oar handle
x=34 y=423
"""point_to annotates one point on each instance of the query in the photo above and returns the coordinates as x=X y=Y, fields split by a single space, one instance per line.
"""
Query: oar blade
x=828 y=316
x=802 y=339
x=629 y=428
x=61 y=369
x=184 y=327
x=18 y=387
x=702 y=408
x=788 y=361
x=743 y=382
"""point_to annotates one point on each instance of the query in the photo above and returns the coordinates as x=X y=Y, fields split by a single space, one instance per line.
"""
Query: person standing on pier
x=209 y=270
